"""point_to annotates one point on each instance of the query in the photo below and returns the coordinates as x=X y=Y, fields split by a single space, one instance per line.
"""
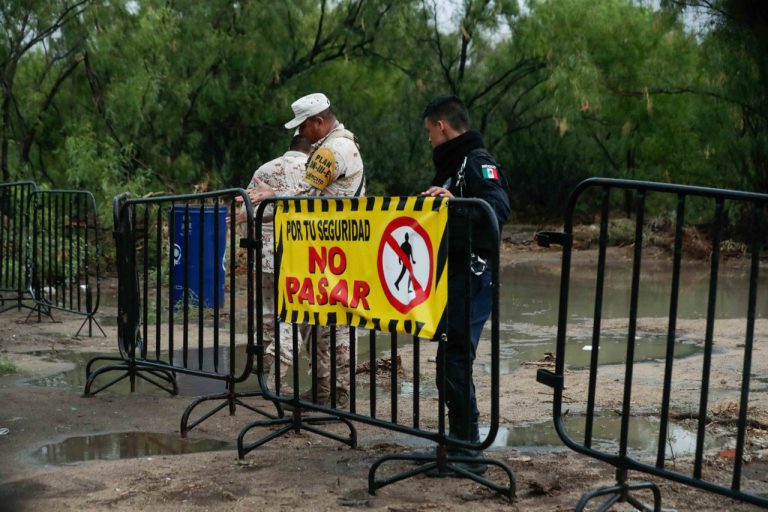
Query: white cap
x=308 y=106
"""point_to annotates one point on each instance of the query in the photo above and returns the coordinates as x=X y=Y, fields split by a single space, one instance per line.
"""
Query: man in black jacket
x=464 y=168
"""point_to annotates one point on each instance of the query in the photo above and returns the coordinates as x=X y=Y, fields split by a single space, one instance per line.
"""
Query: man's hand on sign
x=437 y=192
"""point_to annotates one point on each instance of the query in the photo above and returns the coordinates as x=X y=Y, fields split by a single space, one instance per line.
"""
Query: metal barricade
x=65 y=255
x=176 y=260
x=677 y=199
x=385 y=348
x=15 y=273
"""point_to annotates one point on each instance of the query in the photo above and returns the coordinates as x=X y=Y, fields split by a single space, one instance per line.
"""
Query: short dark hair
x=300 y=143
x=450 y=109
x=327 y=114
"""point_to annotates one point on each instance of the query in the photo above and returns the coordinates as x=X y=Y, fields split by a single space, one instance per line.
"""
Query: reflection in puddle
x=578 y=352
x=643 y=436
x=189 y=385
x=125 y=445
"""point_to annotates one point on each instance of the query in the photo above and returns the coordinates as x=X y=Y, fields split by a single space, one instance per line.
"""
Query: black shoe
x=476 y=468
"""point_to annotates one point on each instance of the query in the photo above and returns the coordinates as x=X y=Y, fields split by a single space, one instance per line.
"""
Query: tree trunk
x=4 y=136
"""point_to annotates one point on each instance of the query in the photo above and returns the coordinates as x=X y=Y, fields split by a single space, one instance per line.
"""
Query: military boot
x=323 y=393
x=479 y=467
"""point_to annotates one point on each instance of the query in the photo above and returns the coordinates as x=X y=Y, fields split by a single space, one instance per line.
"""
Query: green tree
x=40 y=33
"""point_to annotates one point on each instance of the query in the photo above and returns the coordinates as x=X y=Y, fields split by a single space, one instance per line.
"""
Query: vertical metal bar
x=250 y=260
x=49 y=252
x=171 y=280
x=87 y=250
x=295 y=349
x=495 y=335
x=78 y=216
x=701 y=431
x=314 y=362
x=27 y=194
x=201 y=285
x=372 y=361
x=35 y=233
x=216 y=297
x=159 y=273
x=416 y=380
x=28 y=191
x=600 y=280
x=393 y=375
x=630 y=363
x=58 y=251
x=334 y=369
x=55 y=237
x=145 y=274
x=257 y=232
x=70 y=253
x=14 y=245
x=441 y=348
x=33 y=250
x=672 y=328
x=757 y=242
x=23 y=263
x=466 y=340
x=352 y=368
x=4 y=261
x=232 y=288
x=185 y=313
x=94 y=228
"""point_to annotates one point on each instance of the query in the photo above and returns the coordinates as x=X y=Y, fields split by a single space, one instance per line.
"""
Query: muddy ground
x=305 y=471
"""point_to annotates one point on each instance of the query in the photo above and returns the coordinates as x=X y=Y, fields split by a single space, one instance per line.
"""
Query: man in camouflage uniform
x=335 y=169
x=284 y=175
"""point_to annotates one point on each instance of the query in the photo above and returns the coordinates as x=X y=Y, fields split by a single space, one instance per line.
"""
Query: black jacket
x=483 y=178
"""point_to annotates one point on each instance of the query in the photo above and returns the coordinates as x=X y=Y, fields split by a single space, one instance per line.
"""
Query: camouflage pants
x=305 y=340
x=286 y=332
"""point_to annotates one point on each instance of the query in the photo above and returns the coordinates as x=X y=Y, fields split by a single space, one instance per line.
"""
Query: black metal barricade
x=377 y=407
x=65 y=255
x=15 y=273
x=179 y=309
x=678 y=199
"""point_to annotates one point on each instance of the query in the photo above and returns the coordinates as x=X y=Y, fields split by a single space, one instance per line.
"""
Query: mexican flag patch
x=490 y=172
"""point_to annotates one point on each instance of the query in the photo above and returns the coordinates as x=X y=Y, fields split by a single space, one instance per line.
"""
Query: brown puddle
x=123 y=445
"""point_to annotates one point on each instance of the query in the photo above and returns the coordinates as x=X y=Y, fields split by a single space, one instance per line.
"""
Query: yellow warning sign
x=373 y=263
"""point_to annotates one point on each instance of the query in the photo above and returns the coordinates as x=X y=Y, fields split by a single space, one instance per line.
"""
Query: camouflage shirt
x=285 y=175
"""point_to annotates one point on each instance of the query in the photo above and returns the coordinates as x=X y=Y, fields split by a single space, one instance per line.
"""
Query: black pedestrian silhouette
x=408 y=251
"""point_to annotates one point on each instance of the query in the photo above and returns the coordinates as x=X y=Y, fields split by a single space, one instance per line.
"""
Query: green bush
x=6 y=366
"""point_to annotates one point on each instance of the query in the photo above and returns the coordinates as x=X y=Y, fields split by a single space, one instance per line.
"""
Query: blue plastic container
x=212 y=259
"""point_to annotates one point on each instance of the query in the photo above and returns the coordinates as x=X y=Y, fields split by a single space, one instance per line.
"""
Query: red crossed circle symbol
x=421 y=293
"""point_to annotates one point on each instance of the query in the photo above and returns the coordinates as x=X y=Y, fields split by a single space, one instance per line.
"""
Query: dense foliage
x=181 y=95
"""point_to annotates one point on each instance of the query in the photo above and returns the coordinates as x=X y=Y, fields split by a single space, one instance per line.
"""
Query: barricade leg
x=446 y=465
x=90 y=320
x=300 y=418
x=621 y=493
x=229 y=399
x=129 y=369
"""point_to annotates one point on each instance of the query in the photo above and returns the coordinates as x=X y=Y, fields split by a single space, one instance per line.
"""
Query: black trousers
x=463 y=337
